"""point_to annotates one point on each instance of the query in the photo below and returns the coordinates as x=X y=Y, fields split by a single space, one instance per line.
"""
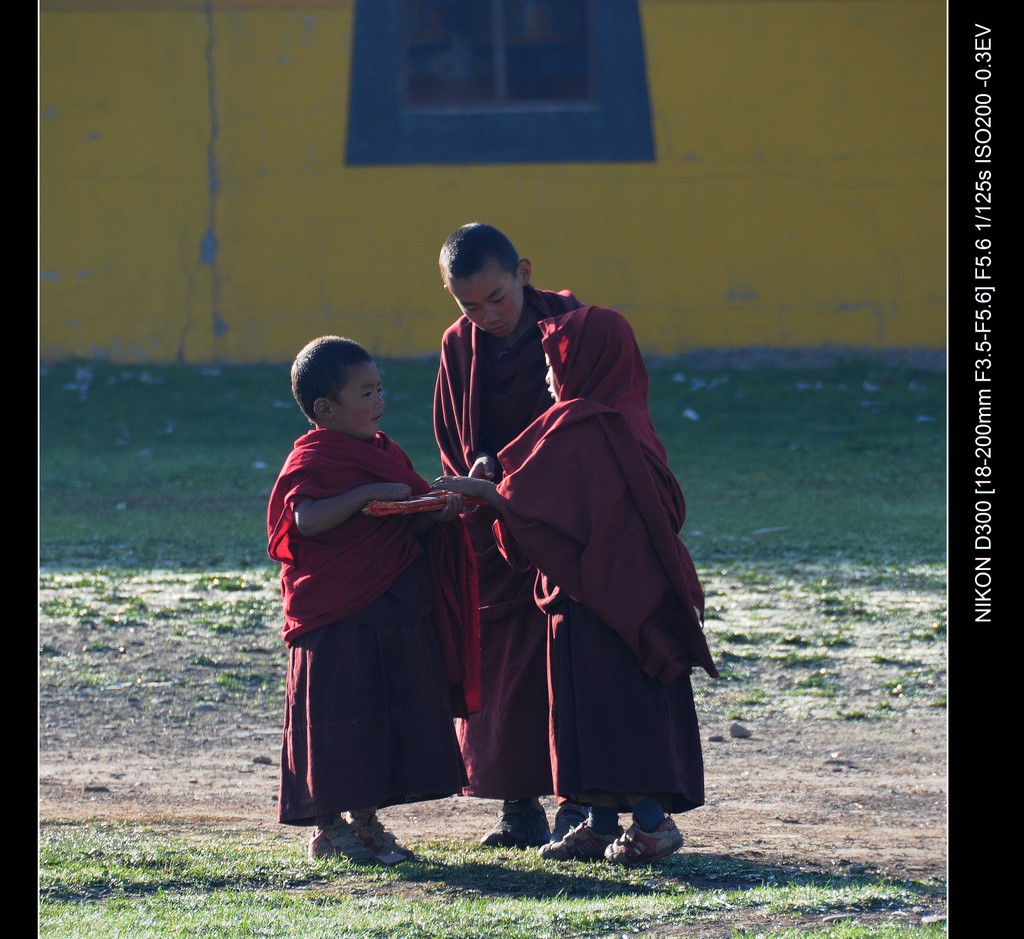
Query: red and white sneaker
x=582 y=843
x=636 y=846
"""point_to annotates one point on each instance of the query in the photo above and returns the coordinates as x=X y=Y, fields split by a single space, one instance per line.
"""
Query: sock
x=603 y=819
x=361 y=816
x=648 y=813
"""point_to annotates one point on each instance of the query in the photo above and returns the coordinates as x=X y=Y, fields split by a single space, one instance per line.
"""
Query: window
x=502 y=53
x=497 y=81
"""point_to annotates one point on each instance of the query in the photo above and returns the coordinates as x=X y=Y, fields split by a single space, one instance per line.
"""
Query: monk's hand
x=460 y=484
x=477 y=488
x=484 y=467
x=452 y=509
x=446 y=483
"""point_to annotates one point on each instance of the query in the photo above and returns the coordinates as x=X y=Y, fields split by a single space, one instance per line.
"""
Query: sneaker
x=377 y=838
x=636 y=846
x=339 y=840
x=567 y=817
x=581 y=844
x=521 y=824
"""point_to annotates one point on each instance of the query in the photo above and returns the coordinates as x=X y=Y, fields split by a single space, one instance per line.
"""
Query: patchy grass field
x=816 y=519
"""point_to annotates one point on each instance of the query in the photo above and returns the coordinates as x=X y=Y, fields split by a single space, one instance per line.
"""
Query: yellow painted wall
x=797 y=198
x=123 y=200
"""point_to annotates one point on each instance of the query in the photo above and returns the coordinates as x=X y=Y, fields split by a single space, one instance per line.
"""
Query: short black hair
x=467 y=249
x=320 y=370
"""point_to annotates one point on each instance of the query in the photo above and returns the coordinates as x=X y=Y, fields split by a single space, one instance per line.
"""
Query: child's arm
x=480 y=488
x=315 y=516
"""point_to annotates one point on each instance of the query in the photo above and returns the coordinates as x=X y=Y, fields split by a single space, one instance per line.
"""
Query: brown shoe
x=339 y=840
x=637 y=846
x=581 y=844
x=376 y=837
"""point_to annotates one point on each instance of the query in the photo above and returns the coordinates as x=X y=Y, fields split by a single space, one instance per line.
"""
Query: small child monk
x=380 y=618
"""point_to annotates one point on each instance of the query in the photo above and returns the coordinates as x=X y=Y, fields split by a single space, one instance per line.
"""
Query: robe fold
x=584 y=507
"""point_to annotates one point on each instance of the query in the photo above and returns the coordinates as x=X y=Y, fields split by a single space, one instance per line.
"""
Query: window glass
x=494 y=52
x=497 y=81
x=449 y=52
x=546 y=50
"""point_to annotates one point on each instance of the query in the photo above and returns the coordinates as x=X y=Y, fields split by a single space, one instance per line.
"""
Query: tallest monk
x=490 y=387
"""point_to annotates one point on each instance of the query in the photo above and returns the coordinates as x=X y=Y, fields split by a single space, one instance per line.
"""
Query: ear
x=524 y=270
x=321 y=409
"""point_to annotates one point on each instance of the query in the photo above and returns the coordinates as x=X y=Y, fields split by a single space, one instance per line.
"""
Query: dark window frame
x=614 y=125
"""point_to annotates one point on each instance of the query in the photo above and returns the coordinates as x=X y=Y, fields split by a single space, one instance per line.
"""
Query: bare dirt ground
x=808 y=795
x=137 y=723
x=159 y=704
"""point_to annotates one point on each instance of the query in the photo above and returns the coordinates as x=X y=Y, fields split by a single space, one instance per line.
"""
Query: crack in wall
x=208 y=242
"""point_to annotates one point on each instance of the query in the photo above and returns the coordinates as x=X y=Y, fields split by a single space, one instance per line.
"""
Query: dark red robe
x=331 y=576
x=593 y=504
x=480 y=405
x=382 y=635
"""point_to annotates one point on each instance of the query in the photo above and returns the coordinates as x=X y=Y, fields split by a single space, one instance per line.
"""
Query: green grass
x=816 y=505
x=172 y=465
x=123 y=880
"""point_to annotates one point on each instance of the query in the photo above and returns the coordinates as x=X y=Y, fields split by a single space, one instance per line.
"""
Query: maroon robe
x=328 y=577
x=592 y=503
x=480 y=405
x=382 y=636
x=368 y=716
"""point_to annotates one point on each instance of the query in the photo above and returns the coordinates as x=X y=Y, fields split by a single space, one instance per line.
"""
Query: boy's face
x=492 y=298
x=550 y=380
x=358 y=408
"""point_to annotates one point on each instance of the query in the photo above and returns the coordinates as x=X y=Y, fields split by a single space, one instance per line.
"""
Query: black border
x=976 y=591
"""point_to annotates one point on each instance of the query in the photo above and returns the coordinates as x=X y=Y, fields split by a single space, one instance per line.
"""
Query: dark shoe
x=567 y=817
x=637 y=846
x=521 y=824
x=581 y=844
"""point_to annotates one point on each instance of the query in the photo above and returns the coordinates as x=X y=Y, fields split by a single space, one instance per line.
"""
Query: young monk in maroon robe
x=589 y=499
x=490 y=386
x=380 y=618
